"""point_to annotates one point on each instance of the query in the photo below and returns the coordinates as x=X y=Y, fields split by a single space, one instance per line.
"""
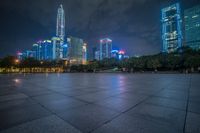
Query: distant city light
x=122 y=52
x=19 y=53
x=114 y=51
x=65 y=46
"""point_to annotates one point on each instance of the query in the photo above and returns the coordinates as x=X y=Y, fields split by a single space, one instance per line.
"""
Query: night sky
x=133 y=25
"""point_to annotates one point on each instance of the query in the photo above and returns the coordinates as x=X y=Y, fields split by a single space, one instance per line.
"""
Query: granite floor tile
x=50 y=124
x=89 y=117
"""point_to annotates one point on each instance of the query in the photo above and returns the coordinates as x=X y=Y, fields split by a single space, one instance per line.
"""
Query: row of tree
x=12 y=61
x=184 y=59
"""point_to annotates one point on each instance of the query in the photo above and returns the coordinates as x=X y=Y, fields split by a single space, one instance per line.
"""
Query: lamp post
x=17 y=61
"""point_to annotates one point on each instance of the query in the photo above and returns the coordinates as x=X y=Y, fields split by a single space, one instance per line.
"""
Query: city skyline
x=148 y=42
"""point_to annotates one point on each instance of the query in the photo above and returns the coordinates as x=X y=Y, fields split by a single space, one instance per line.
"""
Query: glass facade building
x=43 y=50
x=30 y=54
x=75 y=50
x=97 y=55
x=57 y=48
x=46 y=49
x=65 y=49
x=192 y=27
x=105 y=48
x=171 y=28
x=37 y=49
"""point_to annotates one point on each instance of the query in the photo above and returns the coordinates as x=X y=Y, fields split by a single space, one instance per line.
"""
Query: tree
x=153 y=63
x=192 y=62
x=173 y=61
x=109 y=63
x=125 y=64
x=8 y=62
x=138 y=63
x=30 y=63
x=93 y=66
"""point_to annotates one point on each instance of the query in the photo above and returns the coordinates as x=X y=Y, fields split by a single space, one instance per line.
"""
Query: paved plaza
x=100 y=103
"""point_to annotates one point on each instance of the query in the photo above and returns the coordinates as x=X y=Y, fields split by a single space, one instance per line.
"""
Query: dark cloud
x=134 y=25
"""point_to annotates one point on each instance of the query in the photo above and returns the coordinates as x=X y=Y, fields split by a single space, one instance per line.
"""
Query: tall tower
x=105 y=48
x=171 y=28
x=60 y=28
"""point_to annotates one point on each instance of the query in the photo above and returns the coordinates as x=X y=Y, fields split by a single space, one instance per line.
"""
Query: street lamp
x=16 y=61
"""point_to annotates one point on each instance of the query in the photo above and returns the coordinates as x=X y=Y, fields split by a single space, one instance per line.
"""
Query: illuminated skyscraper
x=171 y=28
x=60 y=28
x=94 y=49
x=30 y=54
x=97 y=55
x=46 y=49
x=105 y=48
x=57 y=48
x=77 y=50
x=37 y=48
x=43 y=50
x=84 y=54
x=192 y=27
x=65 y=48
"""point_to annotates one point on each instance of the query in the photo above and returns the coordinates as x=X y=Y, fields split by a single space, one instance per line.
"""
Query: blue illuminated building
x=105 y=48
x=26 y=54
x=36 y=48
x=57 y=48
x=43 y=50
x=97 y=55
x=118 y=54
x=64 y=47
x=192 y=27
x=21 y=55
x=30 y=54
x=46 y=50
x=171 y=28
x=115 y=54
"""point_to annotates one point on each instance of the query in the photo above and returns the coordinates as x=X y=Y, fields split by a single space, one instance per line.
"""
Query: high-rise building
x=192 y=27
x=97 y=55
x=75 y=50
x=43 y=50
x=57 y=48
x=105 y=48
x=60 y=28
x=94 y=49
x=115 y=54
x=121 y=54
x=30 y=54
x=171 y=28
x=46 y=49
x=36 y=47
x=118 y=54
x=84 y=52
x=65 y=49
x=21 y=55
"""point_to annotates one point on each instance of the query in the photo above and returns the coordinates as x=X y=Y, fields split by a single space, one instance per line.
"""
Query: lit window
x=195 y=16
